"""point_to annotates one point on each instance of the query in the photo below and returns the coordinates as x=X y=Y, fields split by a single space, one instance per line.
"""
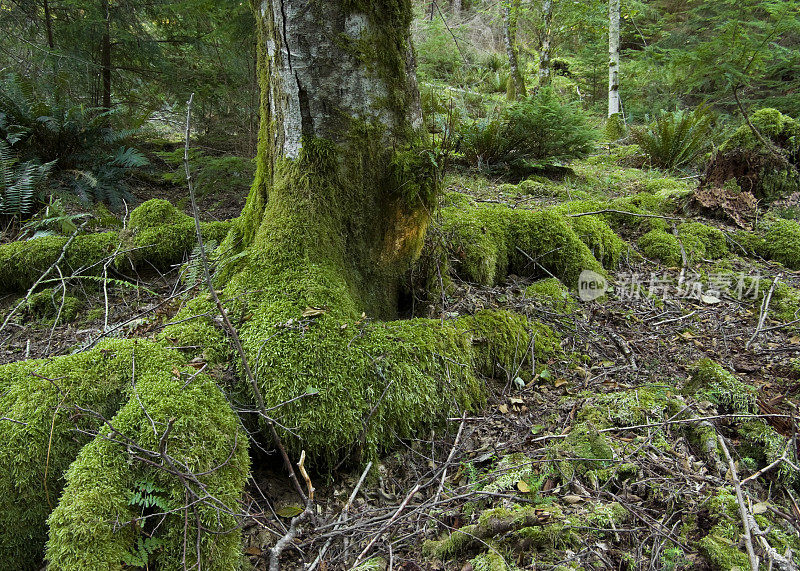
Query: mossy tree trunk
x=340 y=107
x=516 y=82
x=545 y=41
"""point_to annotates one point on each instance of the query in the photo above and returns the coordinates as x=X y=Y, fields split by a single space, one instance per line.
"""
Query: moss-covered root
x=492 y=523
x=40 y=440
x=117 y=508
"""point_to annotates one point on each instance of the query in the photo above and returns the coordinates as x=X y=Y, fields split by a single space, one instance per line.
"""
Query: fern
x=139 y=556
x=675 y=139
x=91 y=162
x=19 y=183
x=194 y=268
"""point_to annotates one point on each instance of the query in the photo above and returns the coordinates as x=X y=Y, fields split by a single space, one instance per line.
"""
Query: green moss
x=93 y=526
x=491 y=241
x=489 y=561
x=604 y=244
x=661 y=246
x=764 y=444
x=159 y=235
x=615 y=127
x=583 y=450
x=34 y=455
x=552 y=293
x=631 y=407
x=773 y=125
x=785 y=302
x=782 y=243
x=710 y=381
x=723 y=554
x=22 y=263
x=51 y=302
x=195 y=328
x=712 y=240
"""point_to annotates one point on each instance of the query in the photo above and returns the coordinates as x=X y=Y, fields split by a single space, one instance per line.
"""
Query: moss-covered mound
x=161 y=235
x=22 y=263
x=491 y=241
x=551 y=293
x=782 y=243
x=106 y=514
x=52 y=303
x=756 y=169
x=661 y=246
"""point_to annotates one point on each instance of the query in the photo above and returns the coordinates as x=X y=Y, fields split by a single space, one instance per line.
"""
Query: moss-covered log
x=157 y=236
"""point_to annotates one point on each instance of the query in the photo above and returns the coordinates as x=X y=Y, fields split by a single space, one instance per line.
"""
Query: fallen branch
x=764 y=310
x=751 y=554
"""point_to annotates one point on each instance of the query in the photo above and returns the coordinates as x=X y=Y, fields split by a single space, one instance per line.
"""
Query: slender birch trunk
x=614 y=105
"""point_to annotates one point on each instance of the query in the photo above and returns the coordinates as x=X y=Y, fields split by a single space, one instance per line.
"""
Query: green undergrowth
x=158 y=236
x=612 y=439
x=712 y=382
x=35 y=452
x=551 y=293
x=52 y=303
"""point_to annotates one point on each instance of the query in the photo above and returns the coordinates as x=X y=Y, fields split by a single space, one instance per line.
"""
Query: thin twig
x=226 y=322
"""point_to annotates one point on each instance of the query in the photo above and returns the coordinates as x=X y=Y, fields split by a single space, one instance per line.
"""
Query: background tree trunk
x=614 y=105
x=456 y=7
x=105 y=56
x=546 y=39
x=516 y=83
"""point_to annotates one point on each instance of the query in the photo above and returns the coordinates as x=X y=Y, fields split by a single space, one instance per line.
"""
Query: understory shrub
x=534 y=132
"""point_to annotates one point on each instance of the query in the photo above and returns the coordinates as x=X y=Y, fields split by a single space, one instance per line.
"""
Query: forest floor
x=597 y=458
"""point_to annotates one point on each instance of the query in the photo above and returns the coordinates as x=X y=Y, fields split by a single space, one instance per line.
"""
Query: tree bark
x=48 y=24
x=105 y=55
x=456 y=7
x=346 y=106
x=516 y=83
x=546 y=39
x=614 y=105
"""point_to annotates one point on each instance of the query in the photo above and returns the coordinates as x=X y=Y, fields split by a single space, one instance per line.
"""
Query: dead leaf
x=570 y=499
x=560 y=382
x=523 y=487
x=176 y=372
x=253 y=551
x=313 y=312
x=515 y=400
x=289 y=511
x=503 y=408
